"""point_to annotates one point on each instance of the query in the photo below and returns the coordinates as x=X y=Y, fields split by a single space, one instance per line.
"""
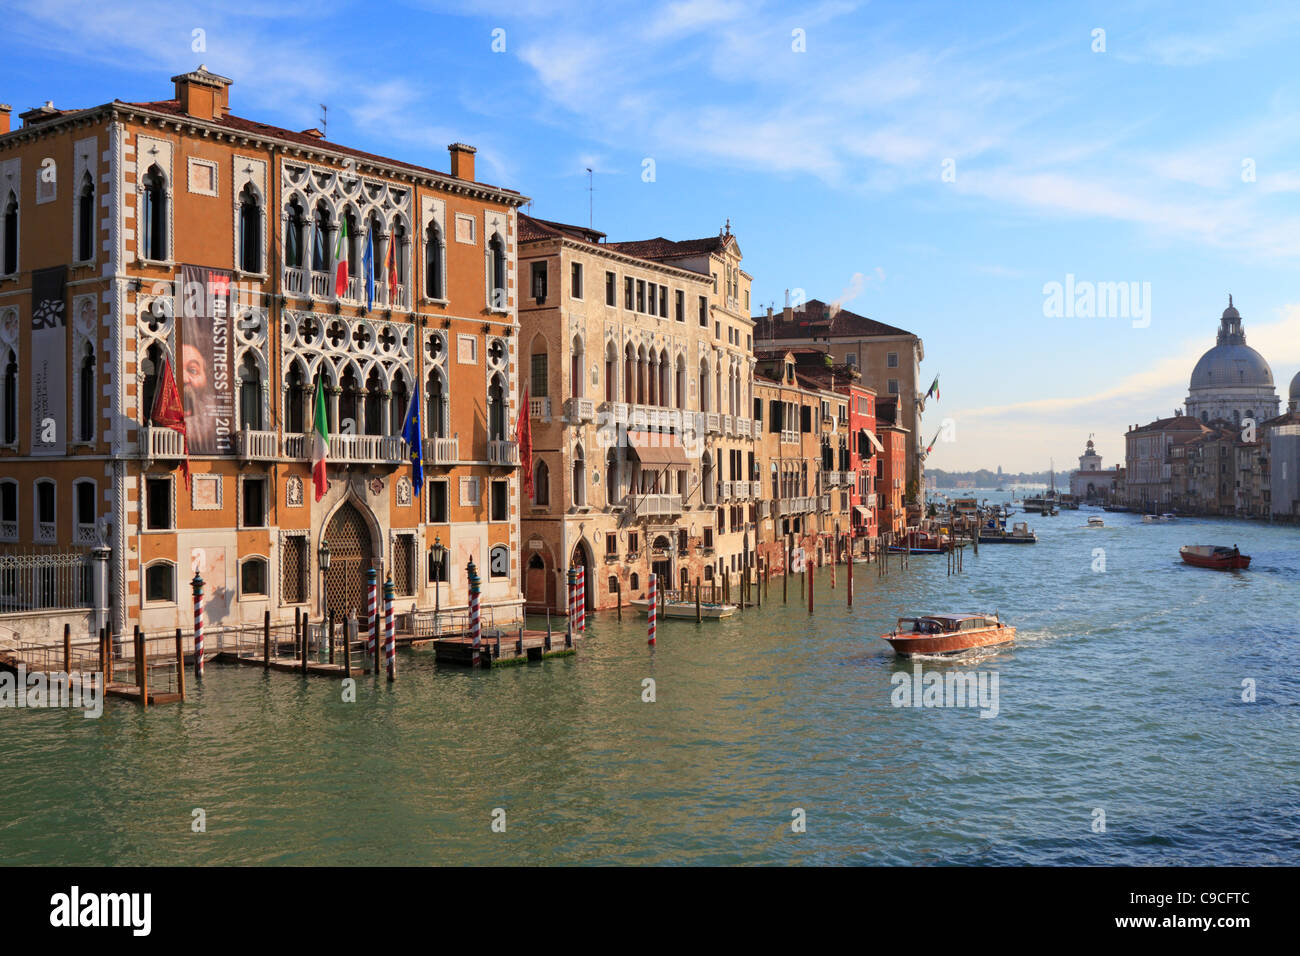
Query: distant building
x=1231 y=381
x=1090 y=482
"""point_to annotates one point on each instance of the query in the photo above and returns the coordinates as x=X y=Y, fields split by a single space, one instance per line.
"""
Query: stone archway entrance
x=351 y=555
x=582 y=558
x=661 y=561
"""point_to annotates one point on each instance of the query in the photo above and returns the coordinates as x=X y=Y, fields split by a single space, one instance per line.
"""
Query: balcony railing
x=727 y=490
x=743 y=427
x=825 y=503
x=540 y=408
x=442 y=451
x=789 y=436
x=729 y=425
x=372 y=449
x=764 y=508
x=653 y=506
x=503 y=452
x=581 y=410
x=160 y=442
x=794 y=506
x=253 y=445
x=712 y=423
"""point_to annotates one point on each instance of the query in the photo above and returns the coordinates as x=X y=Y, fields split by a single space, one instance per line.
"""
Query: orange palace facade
x=112 y=217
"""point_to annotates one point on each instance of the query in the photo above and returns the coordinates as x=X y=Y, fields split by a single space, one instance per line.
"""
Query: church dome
x=1231 y=362
x=1295 y=388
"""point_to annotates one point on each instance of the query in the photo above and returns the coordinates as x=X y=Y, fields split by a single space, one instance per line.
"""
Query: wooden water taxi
x=1215 y=556
x=686 y=609
x=1096 y=522
x=1019 y=534
x=940 y=634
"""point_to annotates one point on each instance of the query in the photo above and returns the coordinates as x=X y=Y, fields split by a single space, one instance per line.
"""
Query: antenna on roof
x=591 y=201
x=324 y=121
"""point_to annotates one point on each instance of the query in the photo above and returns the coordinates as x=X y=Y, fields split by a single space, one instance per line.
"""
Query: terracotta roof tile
x=817 y=320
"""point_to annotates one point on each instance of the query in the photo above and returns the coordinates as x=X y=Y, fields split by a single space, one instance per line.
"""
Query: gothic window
x=151 y=367
x=10 y=235
x=374 y=404
x=250 y=231
x=436 y=406
x=497 y=408
x=433 y=263
x=154 y=216
x=320 y=256
x=541 y=484
x=295 y=401
x=11 y=398
x=397 y=405
x=86 y=219
x=86 y=395
x=294 y=232
x=250 y=394
x=579 y=476
x=497 y=247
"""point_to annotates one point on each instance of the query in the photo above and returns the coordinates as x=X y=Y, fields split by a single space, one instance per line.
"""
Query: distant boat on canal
x=945 y=634
x=1020 y=533
x=1218 y=557
x=686 y=609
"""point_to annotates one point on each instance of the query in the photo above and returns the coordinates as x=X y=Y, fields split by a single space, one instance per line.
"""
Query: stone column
x=99 y=588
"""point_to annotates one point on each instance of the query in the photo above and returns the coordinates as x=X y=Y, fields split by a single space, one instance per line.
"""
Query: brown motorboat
x=948 y=634
x=1215 y=556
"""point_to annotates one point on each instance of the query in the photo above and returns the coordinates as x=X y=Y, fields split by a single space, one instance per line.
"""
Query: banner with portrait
x=49 y=382
x=206 y=364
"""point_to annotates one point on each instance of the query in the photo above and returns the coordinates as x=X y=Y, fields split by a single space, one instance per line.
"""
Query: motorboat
x=944 y=634
x=709 y=610
x=1096 y=522
x=1020 y=533
x=1218 y=557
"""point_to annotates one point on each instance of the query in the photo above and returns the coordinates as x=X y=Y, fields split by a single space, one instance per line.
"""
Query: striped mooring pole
x=390 y=629
x=654 y=604
x=197 y=585
x=582 y=597
x=475 y=627
x=571 y=588
x=372 y=586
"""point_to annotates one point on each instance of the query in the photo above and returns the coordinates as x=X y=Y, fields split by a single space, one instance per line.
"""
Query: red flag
x=168 y=411
x=524 y=435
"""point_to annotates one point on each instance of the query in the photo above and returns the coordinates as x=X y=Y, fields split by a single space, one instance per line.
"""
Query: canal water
x=1120 y=704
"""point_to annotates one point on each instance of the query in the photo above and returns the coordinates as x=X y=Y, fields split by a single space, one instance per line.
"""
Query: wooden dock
x=509 y=650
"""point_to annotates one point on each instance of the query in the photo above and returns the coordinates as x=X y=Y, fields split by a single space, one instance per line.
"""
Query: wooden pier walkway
x=507 y=650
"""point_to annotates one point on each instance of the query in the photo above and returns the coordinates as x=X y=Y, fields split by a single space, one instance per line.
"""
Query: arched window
x=374 y=404
x=707 y=468
x=436 y=406
x=250 y=394
x=86 y=395
x=497 y=408
x=349 y=405
x=252 y=577
x=497 y=247
x=250 y=231
x=704 y=386
x=295 y=402
x=398 y=404
x=579 y=476
x=320 y=234
x=11 y=397
x=11 y=234
x=434 y=250
x=86 y=219
x=612 y=489
x=160 y=581
x=541 y=483
x=681 y=382
x=634 y=582
x=611 y=372
x=576 y=365
x=154 y=215
x=629 y=375
x=353 y=244
x=397 y=242
x=151 y=368
x=295 y=229
x=322 y=380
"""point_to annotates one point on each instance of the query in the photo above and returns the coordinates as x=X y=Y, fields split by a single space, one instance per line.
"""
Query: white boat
x=686 y=609
x=1095 y=522
x=1157 y=519
x=1168 y=517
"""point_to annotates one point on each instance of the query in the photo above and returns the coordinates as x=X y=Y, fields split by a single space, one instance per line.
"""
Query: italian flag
x=341 y=259
x=320 y=444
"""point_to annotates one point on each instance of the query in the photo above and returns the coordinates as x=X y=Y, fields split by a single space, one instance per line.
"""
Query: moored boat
x=1096 y=522
x=1019 y=534
x=1218 y=557
x=941 y=634
x=686 y=609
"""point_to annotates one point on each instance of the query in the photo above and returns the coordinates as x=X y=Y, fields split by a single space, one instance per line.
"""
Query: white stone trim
x=212 y=172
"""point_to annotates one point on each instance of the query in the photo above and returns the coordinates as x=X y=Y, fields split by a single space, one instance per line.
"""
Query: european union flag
x=411 y=433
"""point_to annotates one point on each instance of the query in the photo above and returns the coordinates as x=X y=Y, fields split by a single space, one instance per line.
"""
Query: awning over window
x=875 y=442
x=862 y=512
x=657 y=449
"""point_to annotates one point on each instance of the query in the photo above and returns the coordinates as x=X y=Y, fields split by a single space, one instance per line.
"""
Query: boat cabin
x=945 y=623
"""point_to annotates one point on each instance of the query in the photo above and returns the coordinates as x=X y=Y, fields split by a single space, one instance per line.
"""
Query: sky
x=936 y=165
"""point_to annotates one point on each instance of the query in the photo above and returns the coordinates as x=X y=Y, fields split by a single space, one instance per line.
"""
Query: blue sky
x=1131 y=164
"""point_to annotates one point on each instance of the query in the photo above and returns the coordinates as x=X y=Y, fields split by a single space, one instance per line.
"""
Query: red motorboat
x=1215 y=556
x=948 y=634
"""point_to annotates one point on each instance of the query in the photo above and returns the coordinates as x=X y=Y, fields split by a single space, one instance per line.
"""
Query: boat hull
x=1236 y=562
x=957 y=642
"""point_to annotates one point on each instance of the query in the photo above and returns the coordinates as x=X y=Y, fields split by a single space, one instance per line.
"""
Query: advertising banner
x=207 y=389
x=49 y=381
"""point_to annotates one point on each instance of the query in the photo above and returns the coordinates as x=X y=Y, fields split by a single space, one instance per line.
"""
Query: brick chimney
x=462 y=161
x=5 y=110
x=203 y=95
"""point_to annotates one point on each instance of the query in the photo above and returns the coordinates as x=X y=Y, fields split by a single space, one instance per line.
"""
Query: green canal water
x=1123 y=695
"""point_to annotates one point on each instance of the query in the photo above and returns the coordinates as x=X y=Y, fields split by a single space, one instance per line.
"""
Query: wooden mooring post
x=103 y=654
x=305 y=634
x=141 y=668
x=812 y=586
x=349 y=635
x=266 y=640
x=618 y=589
x=330 y=635
x=180 y=664
x=698 y=615
x=67 y=648
x=848 y=590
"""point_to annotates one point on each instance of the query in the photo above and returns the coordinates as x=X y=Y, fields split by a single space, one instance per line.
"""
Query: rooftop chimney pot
x=462 y=161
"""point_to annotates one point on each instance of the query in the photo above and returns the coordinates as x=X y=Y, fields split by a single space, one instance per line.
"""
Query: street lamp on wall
x=439 y=555
x=324 y=556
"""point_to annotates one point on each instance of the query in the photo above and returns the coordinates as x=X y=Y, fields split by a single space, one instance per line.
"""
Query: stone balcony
x=350 y=449
x=442 y=451
x=653 y=506
x=503 y=452
x=157 y=442
x=252 y=445
x=580 y=410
